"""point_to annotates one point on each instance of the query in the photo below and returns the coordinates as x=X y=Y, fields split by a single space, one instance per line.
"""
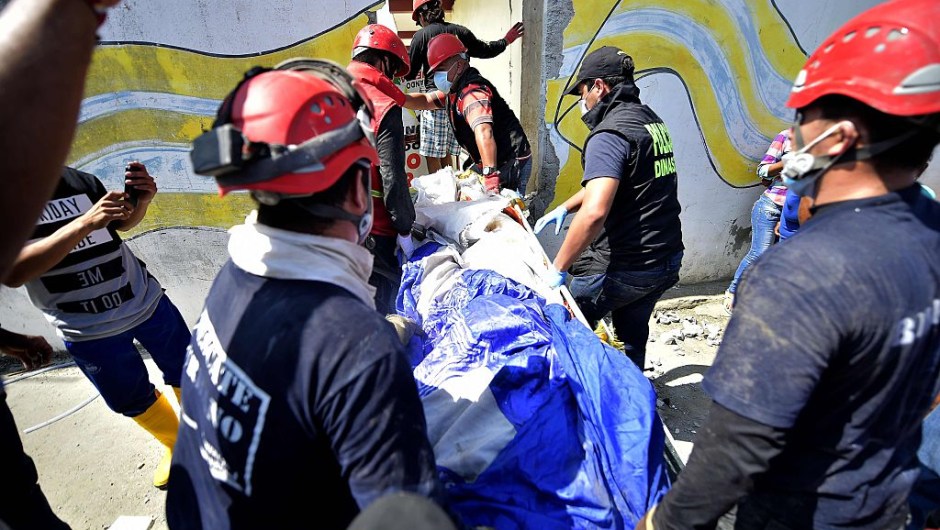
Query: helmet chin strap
x=852 y=154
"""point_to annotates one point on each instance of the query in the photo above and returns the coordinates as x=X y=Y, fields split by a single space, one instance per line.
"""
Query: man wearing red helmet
x=483 y=123
x=816 y=419
x=437 y=138
x=378 y=56
x=294 y=384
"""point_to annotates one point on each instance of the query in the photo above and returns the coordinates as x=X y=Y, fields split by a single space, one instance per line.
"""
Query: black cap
x=606 y=61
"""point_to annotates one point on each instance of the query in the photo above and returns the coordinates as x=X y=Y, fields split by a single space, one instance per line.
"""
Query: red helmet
x=443 y=47
x=887 y=58
x=415 y=5
x=379 y=37
x=290 y=107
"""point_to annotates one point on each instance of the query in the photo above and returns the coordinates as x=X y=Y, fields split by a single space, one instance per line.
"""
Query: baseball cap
x=606 y=61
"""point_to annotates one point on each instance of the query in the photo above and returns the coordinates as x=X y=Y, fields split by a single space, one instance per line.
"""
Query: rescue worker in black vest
x=483 y=123
x=624 y=247
x=437 y=137
x=378 y=56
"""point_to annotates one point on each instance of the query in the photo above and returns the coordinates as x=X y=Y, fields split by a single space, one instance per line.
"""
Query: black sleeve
x=418 y=54
x=476 y=47
x=10 y=339
x=375 y=422
x=729 y=452
x=390 y=144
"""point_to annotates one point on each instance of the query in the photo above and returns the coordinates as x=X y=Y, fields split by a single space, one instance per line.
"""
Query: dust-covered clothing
x=299 y=406
x=835 y=340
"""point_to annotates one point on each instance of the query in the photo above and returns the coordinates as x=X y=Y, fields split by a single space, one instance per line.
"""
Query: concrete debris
x=660 y=403
x=127 y=522
x=691 y=329
x=667 y=317
x=712 y=332
x=712 y=328
x=671 y=336
x=713 y=342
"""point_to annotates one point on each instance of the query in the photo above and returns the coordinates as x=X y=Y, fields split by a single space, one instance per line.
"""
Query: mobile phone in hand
x=132 y=193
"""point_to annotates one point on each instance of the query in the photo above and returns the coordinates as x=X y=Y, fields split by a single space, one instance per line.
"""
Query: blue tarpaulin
x=536 y=423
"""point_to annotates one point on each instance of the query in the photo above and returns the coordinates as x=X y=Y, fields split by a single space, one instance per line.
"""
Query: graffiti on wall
x=735 y=59
x=158 y=78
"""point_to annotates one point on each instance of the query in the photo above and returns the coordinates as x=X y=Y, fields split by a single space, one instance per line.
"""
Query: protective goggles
x=234 y=160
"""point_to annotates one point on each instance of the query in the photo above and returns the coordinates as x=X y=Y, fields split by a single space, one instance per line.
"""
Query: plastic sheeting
x=535 y=422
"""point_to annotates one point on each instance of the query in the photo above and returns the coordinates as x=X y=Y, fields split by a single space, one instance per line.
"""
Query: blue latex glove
x=405 y=247
x=555 y=278
x=556 y=216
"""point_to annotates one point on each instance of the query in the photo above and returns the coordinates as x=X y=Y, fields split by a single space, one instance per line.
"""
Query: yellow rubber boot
x=161 y=421
x=179 y=398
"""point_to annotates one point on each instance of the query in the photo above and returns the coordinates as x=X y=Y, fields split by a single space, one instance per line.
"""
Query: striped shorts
x=437 y=136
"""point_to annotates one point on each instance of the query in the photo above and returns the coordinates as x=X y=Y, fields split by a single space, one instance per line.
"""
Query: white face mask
x=802 y=169
x=584 y=107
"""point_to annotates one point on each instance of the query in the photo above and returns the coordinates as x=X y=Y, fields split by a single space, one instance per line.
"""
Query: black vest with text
x=642 y=229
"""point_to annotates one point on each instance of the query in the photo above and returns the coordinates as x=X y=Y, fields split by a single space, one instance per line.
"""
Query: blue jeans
x=764 y=217
x=925 y=495
x=630 y=296
x=116 y=369
x=525 y=170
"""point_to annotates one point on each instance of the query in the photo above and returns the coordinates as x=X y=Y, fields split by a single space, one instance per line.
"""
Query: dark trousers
x=386 y=273
x=115 y=367
x=22 y=505
x=629 y=296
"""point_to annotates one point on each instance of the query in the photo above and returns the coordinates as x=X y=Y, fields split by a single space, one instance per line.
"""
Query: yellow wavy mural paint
x=135 y=69
x=749 y=52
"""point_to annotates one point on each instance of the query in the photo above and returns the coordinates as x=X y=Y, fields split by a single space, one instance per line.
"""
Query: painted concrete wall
x=718 y=73
x=489 y=20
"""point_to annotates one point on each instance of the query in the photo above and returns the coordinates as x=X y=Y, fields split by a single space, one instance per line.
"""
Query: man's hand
x=406 y=246
x=33 y=351
x=556 y=216
x=491 y=182
x=112 y=207
x=646 y=522
x=555 y=278
x=140 y=180
x=514 y=33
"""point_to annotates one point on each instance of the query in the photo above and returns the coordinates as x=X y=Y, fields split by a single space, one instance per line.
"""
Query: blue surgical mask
x=441 y=82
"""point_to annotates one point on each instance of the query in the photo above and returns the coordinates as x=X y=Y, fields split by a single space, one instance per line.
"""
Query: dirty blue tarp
x=536 y=424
